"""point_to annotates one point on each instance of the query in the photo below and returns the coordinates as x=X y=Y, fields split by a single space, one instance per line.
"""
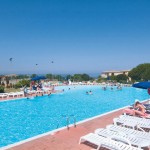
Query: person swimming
x=49 y=94
x=90 y=92
x=104 y=88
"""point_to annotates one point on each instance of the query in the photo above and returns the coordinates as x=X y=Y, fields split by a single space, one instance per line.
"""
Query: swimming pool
x=25 y=118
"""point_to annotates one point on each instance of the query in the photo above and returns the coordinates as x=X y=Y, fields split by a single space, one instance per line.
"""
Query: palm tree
x=7 y=81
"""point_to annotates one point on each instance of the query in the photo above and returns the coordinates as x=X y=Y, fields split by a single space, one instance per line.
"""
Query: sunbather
x=134 y=112
x=138 y=106
x=146 y=106
x=138 y=110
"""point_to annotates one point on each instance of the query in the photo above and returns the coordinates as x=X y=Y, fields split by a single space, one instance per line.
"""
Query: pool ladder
x=68 y=120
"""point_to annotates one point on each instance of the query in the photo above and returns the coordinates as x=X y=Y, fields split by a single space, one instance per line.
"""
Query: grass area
x=8 y=90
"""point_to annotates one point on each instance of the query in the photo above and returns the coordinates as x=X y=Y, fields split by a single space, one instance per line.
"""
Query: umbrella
x=38 y=78
x=142 y=85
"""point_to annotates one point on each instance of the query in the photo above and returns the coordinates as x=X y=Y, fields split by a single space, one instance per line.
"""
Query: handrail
x=68 y=120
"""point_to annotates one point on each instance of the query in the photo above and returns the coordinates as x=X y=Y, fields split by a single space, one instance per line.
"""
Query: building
x=3 y=79
x=107 y=74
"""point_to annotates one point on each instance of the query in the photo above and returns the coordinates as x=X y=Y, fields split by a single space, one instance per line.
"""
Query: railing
x=68 y=118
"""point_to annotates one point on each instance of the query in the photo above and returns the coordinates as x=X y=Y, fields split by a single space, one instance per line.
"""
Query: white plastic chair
x=106 y=142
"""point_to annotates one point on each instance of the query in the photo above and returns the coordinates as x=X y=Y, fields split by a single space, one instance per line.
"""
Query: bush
x=1 y=89
x=22 y=84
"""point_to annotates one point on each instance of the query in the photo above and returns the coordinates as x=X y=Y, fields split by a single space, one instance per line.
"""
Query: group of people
x=118 y=88
x=38 y=88
x=89 y=93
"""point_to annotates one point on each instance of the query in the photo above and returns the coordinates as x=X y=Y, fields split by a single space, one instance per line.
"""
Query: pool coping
x=62 y=128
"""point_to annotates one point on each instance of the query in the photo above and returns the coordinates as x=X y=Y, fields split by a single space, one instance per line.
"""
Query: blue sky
x=80 y=36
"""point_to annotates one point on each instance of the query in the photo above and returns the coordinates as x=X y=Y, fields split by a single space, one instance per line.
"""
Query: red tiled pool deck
x=69 y=139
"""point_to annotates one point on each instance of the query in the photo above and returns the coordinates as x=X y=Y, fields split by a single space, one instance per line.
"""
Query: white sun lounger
x=12 y=94
x=20 y=94
x=106 y=142
x=138 y=133
x=131 y=123
x=40 y=92
x=122 y=136
x=3 y=95
x=147 y=121
x=31 y=92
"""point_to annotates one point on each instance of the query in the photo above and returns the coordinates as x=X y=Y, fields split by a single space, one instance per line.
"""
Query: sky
x=79 y=36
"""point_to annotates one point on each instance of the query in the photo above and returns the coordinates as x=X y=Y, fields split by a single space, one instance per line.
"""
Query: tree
x=81 y=77
x=113 y=78
x=22 y=77
x=100 y=79
x=1 y=89
x=0 y=79
x=141 y=72
x=121 y=78
x=59 y=77
x=85 y=77
x=7 y=80
x=49 y=76
x=33 y=75
x=68 y=77
x=77 y=78
x=146 y=74
x=22 y=83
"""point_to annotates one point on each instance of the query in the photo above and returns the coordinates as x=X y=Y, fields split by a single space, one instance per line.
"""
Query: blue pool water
x=22 y=119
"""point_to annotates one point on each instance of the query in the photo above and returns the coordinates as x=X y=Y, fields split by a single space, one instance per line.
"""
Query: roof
x=114 y=71
x=10 y=75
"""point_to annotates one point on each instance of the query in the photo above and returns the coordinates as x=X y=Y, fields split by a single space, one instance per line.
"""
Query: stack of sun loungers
x=122 y=135
x=11 y=95
x=21 y=94
x=3 y=95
